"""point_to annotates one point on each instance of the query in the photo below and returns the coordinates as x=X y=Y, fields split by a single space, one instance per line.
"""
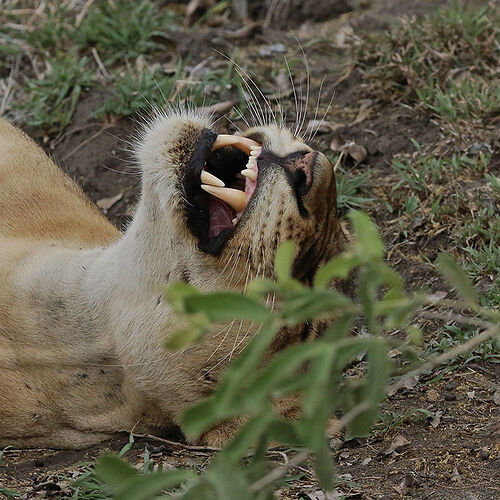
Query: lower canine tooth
x=235 y=198
x=208 y=178
x=251 y=174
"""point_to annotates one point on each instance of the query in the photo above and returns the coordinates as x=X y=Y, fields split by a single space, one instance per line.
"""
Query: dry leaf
x=399 y=443
x=455 y=476
x=357 y=153
x=324 y=495
x=364 y=111
x=322 y=126
x=496 y=397
x=244 y=32
x=436 y=420
x=408 y=383
x=354 y=154
x=106 y=203
x=407 y=482
x=337 y=142
x=218 y=108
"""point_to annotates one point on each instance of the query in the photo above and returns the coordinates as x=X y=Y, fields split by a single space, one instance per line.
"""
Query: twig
x=86 y=141
x=176 y=444
x=98 y=60
x=281 y=471
x=10 y=84
x=83 y=12
x=362 y=407
x=446 y=356
x=451 y=316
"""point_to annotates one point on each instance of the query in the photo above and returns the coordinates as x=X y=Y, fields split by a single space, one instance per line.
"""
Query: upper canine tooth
x=242 y=143
x=251 y=174
x=235 y=198
x=208 y=178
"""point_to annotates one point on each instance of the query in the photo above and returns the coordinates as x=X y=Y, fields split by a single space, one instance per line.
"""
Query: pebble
x=432 y=395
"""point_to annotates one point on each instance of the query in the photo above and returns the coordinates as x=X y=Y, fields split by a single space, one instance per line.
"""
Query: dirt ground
x=441 y=439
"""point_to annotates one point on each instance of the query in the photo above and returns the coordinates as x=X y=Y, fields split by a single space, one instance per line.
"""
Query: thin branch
x=446 y=356
x=176 y=444
x=281 y=471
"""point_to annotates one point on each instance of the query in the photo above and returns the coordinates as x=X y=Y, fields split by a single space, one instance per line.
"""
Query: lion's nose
x=300 y=168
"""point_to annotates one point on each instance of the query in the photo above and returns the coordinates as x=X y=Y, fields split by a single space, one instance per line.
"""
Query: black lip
x=196 y=200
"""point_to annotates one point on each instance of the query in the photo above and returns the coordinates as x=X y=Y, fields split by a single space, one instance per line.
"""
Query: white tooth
x=234 y=221
x=235 y=198
x=208 y=178
x=251 y=174
x=242 y=143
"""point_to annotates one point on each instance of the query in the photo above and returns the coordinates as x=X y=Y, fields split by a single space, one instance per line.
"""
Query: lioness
x=82 y=321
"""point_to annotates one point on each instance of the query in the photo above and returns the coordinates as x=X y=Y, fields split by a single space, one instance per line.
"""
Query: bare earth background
x=439 y=437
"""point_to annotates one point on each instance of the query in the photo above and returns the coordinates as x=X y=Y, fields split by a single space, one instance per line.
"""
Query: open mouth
x=219 y=183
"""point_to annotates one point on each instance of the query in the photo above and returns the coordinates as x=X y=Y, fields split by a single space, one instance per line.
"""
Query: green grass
x=422 y=172
x=119 y=32
x=349 y=188
x=50 y=102
x=458 y=194
x=125 y=29
x=452 y=335
x=444 y=62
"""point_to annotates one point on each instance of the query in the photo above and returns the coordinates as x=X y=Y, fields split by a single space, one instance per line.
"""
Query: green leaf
x=457 y=278
x=114 y=471
x=9 y=493
x=338 y=267
x=198 y=326
x=128 y=484
x=220 y=306
x=261 y=287
x=176 y=294
x=323 y=467
x=281 y=366
x=283 y=261
x=245 y=364
x=368 y=243
x=415 y=335
x=378 y=371
x=228 y=481
x=284 y=432
x=313 y=304
x=203 y=415
x=128 y=446
x=248 y=436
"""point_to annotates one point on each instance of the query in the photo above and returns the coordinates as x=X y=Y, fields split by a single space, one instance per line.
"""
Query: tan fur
x=81 y=320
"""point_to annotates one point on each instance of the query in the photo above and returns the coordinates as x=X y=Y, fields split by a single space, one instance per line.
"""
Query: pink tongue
x=221 y=217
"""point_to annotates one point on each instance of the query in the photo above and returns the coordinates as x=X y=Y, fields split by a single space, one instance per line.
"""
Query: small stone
x=484 y=455
x=432 y=395
x=336 y=444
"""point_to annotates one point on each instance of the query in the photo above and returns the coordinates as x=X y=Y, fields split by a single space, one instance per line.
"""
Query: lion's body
x=45 y=353
x=82 y=321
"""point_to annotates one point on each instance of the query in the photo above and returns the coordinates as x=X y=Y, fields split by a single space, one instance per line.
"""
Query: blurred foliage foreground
x=312 y=370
